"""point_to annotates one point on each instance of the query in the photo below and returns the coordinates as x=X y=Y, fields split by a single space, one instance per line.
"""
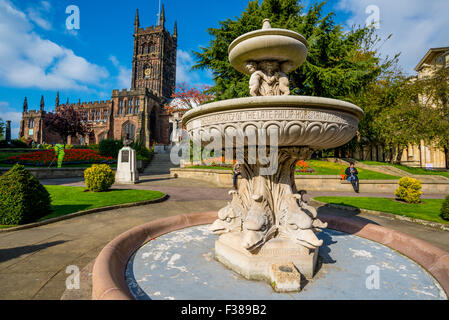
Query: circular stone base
x=229 y=251
x=181 y=265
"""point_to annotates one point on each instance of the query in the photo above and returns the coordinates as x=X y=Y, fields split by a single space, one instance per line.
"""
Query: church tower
x=154 y=58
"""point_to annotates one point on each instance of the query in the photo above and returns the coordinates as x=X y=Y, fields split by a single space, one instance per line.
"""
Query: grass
x=411 y=170
x=66 y=200
x=428 y=210
x=331 y=168
x=325 y=168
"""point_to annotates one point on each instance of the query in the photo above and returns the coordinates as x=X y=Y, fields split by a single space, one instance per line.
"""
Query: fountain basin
x=318 y=123
x=108 y=275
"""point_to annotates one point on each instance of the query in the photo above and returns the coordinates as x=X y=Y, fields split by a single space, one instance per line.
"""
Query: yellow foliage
x=99 y=177
x=409 y=190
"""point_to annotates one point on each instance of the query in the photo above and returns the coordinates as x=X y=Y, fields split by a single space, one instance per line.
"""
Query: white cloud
x=36 y=14
x=124 y=73
x=28 y=60
x=184 y=62
x=416 y=26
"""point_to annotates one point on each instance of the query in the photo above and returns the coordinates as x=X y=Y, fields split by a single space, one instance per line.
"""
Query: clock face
x=147 y=72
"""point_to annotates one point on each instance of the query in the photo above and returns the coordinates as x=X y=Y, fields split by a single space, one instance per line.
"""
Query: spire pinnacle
x=25 y=105
x=42 y=103
x=175 y=32
x=162 y=18
x=137 y=21
x=57 y=100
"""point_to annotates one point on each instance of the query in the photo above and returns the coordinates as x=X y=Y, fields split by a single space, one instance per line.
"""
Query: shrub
x=409 y=190
x=141 y=150
x=23 y=199
x=110 y=147
x=99 y=177
x=445 y=209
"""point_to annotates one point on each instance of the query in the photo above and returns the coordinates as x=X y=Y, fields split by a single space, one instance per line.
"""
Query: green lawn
x=407 y=169
x=66 y=200
x=325 y=168
x=331 y=168
x=428 y=210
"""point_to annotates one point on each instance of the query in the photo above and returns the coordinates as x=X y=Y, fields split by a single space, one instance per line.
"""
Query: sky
x=40 y=55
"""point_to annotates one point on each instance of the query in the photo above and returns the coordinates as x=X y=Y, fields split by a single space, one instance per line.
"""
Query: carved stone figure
x=229 y=217
x=255 y=79
x=268 y=79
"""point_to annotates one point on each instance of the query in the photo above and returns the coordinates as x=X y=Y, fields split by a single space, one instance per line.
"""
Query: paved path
x=33 y=262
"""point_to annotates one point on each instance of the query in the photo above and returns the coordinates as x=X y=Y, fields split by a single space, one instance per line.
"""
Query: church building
x=137 y=112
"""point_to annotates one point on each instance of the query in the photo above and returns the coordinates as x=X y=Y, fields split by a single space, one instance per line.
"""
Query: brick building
x=138 y=111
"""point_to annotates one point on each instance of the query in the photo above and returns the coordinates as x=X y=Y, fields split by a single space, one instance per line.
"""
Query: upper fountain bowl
x=285 y=46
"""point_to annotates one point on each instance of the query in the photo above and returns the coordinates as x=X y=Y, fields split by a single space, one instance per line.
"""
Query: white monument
x=127 y=165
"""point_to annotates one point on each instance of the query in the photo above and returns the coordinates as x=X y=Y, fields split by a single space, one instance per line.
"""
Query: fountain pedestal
x=256 y=265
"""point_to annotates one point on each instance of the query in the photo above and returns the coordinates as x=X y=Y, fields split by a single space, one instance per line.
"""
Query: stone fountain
x=268 y=231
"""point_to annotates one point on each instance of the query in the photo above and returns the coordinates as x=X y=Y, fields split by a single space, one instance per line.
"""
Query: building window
x=128 y=130
x=31 y=124
x=129 y=108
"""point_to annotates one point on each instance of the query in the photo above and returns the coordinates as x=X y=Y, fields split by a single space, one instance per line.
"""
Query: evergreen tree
x=339 y=63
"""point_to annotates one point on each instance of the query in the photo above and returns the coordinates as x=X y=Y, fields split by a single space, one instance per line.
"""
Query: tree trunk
x=399 y=155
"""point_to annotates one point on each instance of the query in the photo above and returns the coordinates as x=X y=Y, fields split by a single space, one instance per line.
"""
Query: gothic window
x=145 y=49
x=98 y=115
x=128 y=130
x=31 y=124
x=151 y=47
x=129 y=108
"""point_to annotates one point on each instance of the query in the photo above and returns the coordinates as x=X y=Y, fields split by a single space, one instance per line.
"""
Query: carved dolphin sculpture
x=229 y=217
x=256 y=225
x=299 y=225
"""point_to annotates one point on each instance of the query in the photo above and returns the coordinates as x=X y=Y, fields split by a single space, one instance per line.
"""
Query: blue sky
x=38 y=55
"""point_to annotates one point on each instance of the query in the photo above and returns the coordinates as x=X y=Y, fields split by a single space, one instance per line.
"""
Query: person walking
x=352 y=174
x=236 y=173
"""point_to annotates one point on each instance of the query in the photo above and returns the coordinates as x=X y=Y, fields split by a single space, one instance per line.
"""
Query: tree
x=394 y=117
x=434 y=100
x=186 y=98
x=66 y=122
x=338 y=63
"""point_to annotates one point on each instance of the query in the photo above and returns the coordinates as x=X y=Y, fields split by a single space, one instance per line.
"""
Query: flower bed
x=303 y=167
x=72 y=156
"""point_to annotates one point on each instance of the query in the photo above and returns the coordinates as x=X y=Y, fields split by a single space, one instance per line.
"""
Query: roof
x=430 y=53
